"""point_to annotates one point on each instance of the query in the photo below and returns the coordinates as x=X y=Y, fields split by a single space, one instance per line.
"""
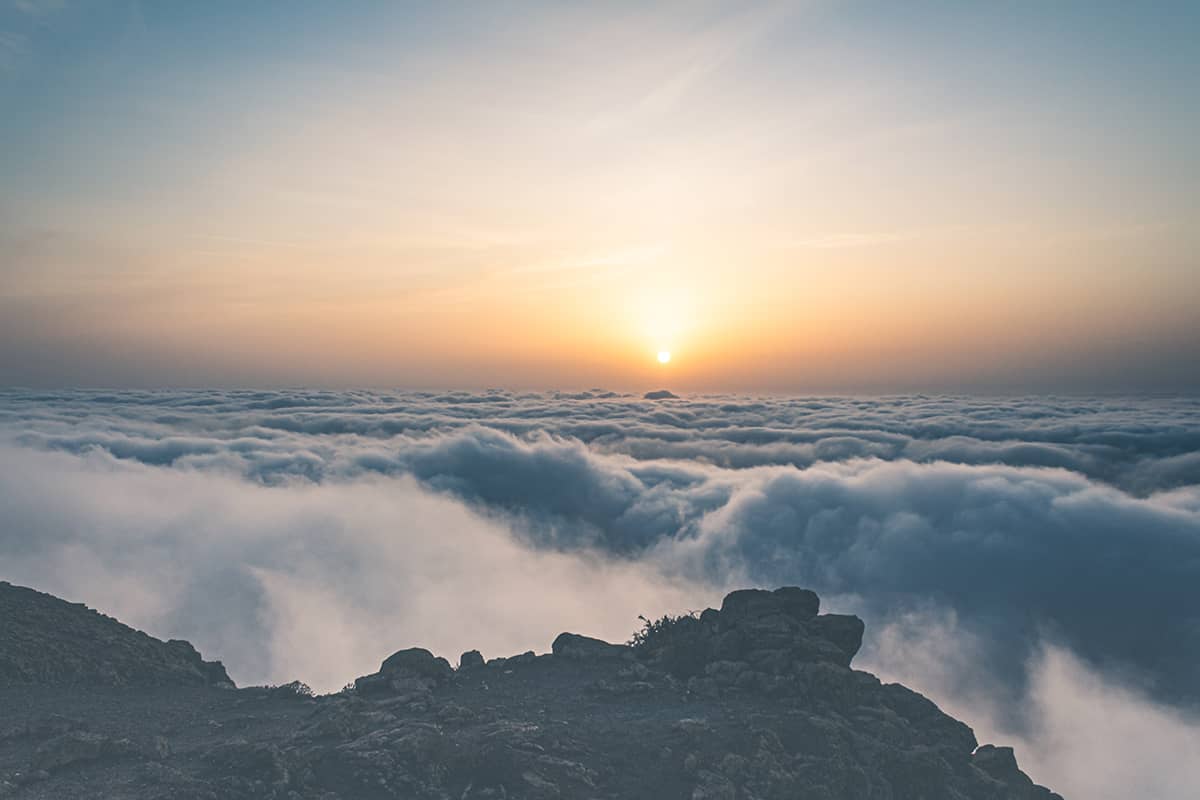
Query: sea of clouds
x=1033 y=564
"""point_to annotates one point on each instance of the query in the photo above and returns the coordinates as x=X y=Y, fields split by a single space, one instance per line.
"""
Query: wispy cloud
x=37 y=8
x=692 y=58
x=13 y=47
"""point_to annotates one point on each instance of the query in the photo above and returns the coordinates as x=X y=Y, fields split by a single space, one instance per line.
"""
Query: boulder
x=797 y=602
x=791 y=601
x=373 y=684
x=416 y=662
x=585 y=648
x=843 y=630
x=470 y=660
x=414 y=671
x=772 y=630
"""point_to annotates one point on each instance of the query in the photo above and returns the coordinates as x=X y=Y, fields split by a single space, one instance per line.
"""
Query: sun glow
x=664 y=356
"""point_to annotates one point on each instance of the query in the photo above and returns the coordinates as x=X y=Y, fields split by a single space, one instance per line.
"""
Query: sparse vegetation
x=676 y=642
x=297 y=688
x=657 y=632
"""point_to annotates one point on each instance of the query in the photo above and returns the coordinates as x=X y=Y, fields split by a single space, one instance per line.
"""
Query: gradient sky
x=823 y=196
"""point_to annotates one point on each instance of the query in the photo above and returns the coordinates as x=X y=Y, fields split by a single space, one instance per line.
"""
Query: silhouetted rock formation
x=754 y=700
x=582 y=648
x=660 y=394
x=470 y=660
x=46 y=641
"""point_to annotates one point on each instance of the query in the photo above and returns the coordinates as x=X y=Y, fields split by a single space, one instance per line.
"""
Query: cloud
x=38 y=8
x=13 y=47
x=1141 y=446
x=1015 y=550
x=1021 y=559
x=1085 y=733
x=898 y=501
x=312 y=581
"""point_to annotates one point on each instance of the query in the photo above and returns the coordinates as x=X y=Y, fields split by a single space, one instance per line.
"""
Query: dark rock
x=417 y=662
x=660 y=394
x=374 y=684
x=755 y=700
x=470 y=660
x=46 y=641
x=53 y=725
x=581 y=648
x=713 y=786
x=797 y=602
x=790 y=600
x=1000 y=763
x=247 y=761
x=294 y=690
x=508 y=663
x=76 y=747
x=405 y=674
x=772 y=630
x=843 y=630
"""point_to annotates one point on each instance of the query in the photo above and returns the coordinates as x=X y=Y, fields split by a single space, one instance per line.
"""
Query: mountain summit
x=754 y=700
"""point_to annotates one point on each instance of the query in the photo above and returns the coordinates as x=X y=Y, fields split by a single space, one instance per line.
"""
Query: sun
x=664 y=356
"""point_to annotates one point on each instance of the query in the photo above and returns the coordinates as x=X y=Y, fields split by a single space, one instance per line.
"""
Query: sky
x=787 y=197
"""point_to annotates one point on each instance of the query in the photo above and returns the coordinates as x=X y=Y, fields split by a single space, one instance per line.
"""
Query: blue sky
x=790 y=196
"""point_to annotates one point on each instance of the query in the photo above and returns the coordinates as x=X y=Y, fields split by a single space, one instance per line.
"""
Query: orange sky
x=786 y=197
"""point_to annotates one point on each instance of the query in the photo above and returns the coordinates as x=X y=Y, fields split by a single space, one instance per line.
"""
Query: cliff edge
x=755 y=700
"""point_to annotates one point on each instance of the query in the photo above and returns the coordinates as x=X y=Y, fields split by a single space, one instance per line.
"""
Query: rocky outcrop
x=582 y=648
x=412 y=670
x=754 y=700
x=470 y=660
x=755 y=638
x=45 y=641
x=660 y=394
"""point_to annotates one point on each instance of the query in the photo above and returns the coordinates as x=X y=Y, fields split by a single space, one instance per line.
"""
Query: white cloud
x=1081 y=732
x=1026 y=562
x=319 y=582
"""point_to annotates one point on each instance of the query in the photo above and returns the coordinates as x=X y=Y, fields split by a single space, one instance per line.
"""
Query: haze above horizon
x=777 y=197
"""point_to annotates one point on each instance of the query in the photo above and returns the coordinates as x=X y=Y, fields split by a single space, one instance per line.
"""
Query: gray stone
x=843 y=630
x=419 y=662
x=585 y=648
x=470 y=660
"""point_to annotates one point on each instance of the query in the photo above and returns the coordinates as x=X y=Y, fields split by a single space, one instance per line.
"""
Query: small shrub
x=679 y=643
x=657 y=632
x=295 y=688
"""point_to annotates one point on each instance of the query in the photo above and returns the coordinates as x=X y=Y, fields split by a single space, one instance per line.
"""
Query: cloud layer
x=1021 y=560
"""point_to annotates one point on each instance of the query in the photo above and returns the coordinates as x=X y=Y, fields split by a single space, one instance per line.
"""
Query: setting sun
x=363 y=315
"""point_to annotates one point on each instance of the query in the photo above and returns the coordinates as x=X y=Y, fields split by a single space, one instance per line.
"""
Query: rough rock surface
x=46 y=641
x=754 y=700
